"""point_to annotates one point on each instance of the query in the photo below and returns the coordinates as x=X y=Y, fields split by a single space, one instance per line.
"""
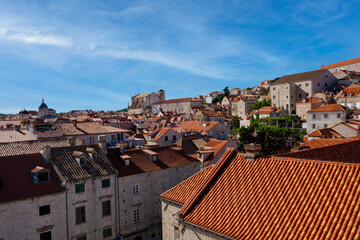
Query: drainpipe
x=67 y=213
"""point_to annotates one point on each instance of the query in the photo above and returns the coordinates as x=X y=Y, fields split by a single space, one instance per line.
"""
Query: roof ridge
x=209 y=180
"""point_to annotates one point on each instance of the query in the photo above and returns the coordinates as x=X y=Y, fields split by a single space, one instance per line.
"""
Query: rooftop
x=343 y=63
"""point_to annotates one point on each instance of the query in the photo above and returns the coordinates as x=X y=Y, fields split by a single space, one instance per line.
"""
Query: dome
x=23 y=112
x=43 y=105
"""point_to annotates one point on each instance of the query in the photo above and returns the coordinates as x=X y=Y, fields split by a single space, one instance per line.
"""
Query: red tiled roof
x=343 y=63
x=325 y=132
x=311 y=100
x=197 y=126
x=178 y=100
x=324 y=142
x=160 y=134
x=353 y=90
x=16 y=180
x=183 y=191
x=140 y=162
x=328 y=108
x=278 y=198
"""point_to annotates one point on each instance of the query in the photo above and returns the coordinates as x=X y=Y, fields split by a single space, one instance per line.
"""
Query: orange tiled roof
x=277 y=198
x=197 y=126
x=343 y=63
x=354 y=91
x=177 y=100
x=160 y=133
x=325 y=132
x=324 y=142
x=328 y=108
x=311 y=100
x=183 y=191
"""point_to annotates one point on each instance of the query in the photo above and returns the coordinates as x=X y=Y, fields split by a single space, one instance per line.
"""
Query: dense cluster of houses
x=169 y=168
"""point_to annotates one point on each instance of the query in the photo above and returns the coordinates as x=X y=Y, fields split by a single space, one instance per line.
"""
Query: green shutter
x=80 y=215
x=106 y=208
x=105 y=183
x=79 y=188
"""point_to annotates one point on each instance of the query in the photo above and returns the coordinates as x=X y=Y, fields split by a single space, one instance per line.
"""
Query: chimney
x=102 y=143
x=252 y=151
x=74 y=122
x=71 y=141
x=22 y=123
x=46 y=153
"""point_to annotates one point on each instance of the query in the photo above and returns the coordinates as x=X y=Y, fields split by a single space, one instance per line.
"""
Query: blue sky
x=96 y=54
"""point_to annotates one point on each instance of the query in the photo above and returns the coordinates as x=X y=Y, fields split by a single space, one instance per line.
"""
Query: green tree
x=264 y=91
x=226 y=91
x=235 y=122
x=261 y=104
x=218 y=98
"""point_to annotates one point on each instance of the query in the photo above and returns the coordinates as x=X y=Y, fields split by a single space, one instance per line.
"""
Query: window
x=314 y=126
x=44 y=210
x=79 y=188
x=91 y=139
x=292 y=96
x=338 y=115
x=107 y=232
x=106 y=208
x=307 y=94
x=136 y=189
x=113 y=137
x=136 y=215
x=325 y=125
x=81 y=238
x=292 y=105
x=299 y=85
x=273 y=97
x=300 y=95
x=80 y=214
x=318 y=84
x=287 y=88
x=325 y=115
x=287 y=97
x=326 y=75
x=174 y=137
x=105 y=183
x=274 y=88
x=325 y=84
x=45 y=236
x=166 y=138
x=162 y=184
x=43 y=177
x=306 y=84
x=314 y=116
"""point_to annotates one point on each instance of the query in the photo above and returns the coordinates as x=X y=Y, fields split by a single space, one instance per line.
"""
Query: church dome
x=43 y=105
x=23 y=112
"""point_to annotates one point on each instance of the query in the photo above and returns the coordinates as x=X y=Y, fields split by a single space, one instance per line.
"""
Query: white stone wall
x=20 y=220
x=92 y=199
x=320 y=122
x=170 y=222
x=147 y=200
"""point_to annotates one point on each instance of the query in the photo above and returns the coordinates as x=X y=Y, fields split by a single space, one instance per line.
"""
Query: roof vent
x=252 y=151
x=126 y=159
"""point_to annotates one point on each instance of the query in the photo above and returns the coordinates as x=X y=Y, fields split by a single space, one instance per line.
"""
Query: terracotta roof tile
x=15 y=136
x=197 y=126
x=343 y=63
x=276 y=198
x=328 y=108
x=16 y=180
x=178 y=100
x=324 y=142
x=304 y=76
x=140 y=162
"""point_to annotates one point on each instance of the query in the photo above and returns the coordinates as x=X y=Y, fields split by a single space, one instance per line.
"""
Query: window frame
x=105 y=183
x=44 y=208
x=80 y=215
x=135 y=189
x=107 y=232
x=106 y=208
x=79 y=188
x=137 y=215
x=44 y=237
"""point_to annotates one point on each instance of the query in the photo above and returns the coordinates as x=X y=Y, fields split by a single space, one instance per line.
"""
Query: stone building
x=89 y=179
x=32 y=200
x=350 y=97
x=351 y=65
x=143 y=176
x=163 y=137
x=325 y=116
x=290 y=89
x=241 y=107
x=212 y=129
x=179 y=105
x=44 y=111
x=209 y=115
x=141 y=102
x=307 y=104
